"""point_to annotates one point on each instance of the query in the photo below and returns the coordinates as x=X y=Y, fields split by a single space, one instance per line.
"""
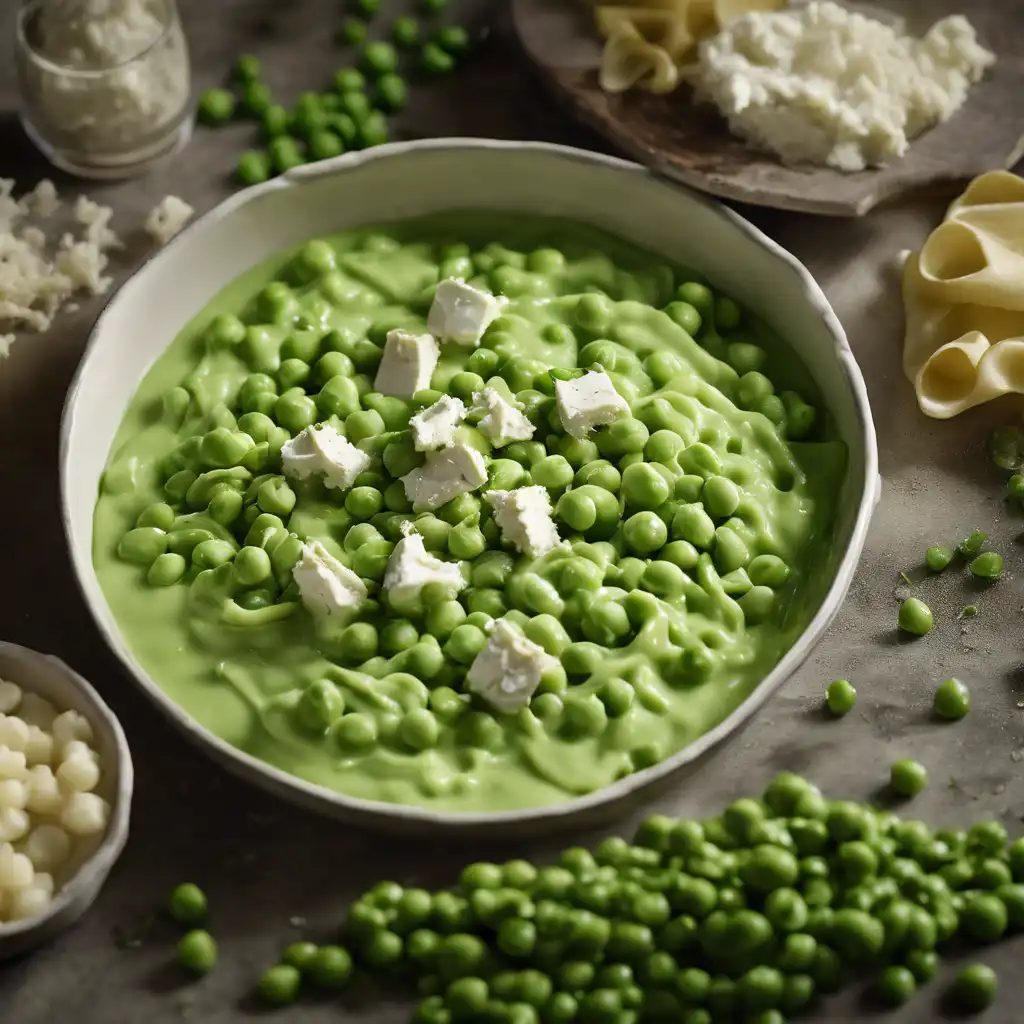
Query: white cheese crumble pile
x=140 y=82
x=587 y=402
x=411 y=567
x=321 y=450
x=38 y=279
x=460 y=312
x=507 y=672
x=50 y=813
x=446 y=474
x=407 y=364
x=822 y=84
x=502 y=422
x=524 y=518
x=435 y=426
x=327 y=588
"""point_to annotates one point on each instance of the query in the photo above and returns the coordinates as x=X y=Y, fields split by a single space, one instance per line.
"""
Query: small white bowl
x=49 y=677
x=403 y=180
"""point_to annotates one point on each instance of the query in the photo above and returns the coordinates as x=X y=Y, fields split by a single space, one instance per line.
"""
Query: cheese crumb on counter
x=167 y=218
x=507 y=672
x=825 y=85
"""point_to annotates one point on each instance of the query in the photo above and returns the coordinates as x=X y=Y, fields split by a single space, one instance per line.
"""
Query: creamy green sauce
x=691 y=654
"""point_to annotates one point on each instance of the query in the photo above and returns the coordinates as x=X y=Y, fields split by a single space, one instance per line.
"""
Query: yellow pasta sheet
x=963 y=295
x=646 y=41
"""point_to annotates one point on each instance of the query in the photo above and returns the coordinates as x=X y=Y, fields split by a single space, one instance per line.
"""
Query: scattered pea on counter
x=915 y=617
x=952 y=700
x=840 y=697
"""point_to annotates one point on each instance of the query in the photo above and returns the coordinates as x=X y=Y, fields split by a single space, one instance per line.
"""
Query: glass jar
x=105 y=84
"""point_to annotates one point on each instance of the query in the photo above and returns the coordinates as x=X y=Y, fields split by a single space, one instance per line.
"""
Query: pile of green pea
x=748 y=917
x=350 y=115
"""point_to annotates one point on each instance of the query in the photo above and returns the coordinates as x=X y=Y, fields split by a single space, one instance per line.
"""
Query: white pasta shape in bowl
x=65 y=794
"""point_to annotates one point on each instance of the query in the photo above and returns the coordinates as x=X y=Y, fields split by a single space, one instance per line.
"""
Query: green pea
x=915 y=617
x=908 y=778
x=605 y=623
x=216 y=106
x=938 y=558
x=974 y=988
x=255 y=97
x=952 y=700
x=644 y=487
x=552 y=472
x=363 y=424
x=721 y=497
x=187 y=904
x=645 y=532
x=623 y=437
x=356 y=732
x=583 y=715
x=197 y=952
x=166 y=570
x=209 y=554
x=769 y=867
x=984 y=917
x=988 y=566
x=768 y=571
x=419 y=729
x=331 y=968
x=143 y=545
x=320 y=707
x=692 y=523
x=840 y=697
x=253 y=167
x=465 y=643
x=973 y=543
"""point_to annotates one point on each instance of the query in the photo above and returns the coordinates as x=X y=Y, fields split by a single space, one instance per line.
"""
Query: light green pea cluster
x=661 y=509
x=750 y=915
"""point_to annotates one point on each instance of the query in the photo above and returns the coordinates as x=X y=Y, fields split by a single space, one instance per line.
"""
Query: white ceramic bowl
x=411 y=179
x=49 y=677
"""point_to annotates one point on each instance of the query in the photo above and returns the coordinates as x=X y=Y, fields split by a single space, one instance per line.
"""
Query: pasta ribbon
x=647 y=41
x=963 y=296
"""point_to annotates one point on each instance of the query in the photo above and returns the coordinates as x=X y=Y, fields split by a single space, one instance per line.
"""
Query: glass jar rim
x=32 y=8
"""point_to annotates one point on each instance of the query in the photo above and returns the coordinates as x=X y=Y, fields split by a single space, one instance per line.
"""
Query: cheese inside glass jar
x=602 y=517
x=105 y=84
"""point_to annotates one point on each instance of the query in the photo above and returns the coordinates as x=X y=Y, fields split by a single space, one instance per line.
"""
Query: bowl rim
x=315 y=796
x=89 y=877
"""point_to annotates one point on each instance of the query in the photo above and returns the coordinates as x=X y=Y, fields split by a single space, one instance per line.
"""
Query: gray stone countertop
x=273 y=873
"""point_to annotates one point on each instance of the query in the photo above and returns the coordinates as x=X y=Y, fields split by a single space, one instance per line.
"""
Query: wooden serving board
x=691 y=143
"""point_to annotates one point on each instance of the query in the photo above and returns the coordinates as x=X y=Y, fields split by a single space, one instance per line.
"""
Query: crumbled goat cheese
x=524 y=517
x=502 y=423
x=321 y=449
x=145 y=86
x=167 y=218
x=327 y=587
x=826 y=85
x=587 y=402
x=407 y=364
x=435 y=426
x=411 y=567
x=445 y=475
x=35 y=283
x=507 y=672
x=460 y=312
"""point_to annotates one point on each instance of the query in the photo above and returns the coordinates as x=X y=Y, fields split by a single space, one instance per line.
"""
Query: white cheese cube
x=411 y=567
x=524 y=517
x=407 y=364
x=327 y=587
x=445 y=475
x=460 y=312
x=435 y=426
x=321 y=449
x=587 y=402
x=507 y=671
x=503 y=422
